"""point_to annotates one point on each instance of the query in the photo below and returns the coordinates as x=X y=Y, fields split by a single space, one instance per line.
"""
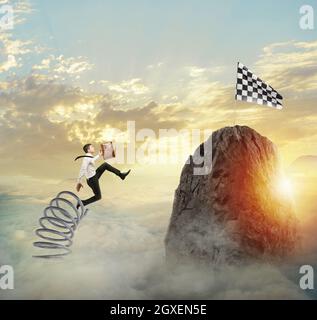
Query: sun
x=285 y=186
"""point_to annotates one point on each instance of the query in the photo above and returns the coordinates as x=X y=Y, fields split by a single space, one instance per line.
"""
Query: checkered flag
x=252 y=89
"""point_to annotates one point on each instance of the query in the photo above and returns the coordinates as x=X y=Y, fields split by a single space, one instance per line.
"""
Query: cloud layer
x=120 y=255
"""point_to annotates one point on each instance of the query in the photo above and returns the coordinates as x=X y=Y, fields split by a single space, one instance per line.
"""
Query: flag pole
x=235 y=103
x=235 y=113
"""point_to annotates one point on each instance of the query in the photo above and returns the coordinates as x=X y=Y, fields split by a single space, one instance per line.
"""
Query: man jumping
x=92 y=175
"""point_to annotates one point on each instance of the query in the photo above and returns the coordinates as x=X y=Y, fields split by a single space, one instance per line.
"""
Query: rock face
x=236 y=212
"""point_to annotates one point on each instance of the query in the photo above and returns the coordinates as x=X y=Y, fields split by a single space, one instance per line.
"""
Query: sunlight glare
x=285 y=186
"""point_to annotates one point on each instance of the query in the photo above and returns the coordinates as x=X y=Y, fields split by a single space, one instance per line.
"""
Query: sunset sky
x=79 y=68
x=72 y=71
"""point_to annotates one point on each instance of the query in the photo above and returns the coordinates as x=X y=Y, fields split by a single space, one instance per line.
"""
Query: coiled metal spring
x=58 y=224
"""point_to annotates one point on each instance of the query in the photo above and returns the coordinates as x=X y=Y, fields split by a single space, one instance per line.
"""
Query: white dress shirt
x=87 y=168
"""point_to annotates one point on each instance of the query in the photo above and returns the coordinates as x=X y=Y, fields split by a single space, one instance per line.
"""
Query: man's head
x=89 y=148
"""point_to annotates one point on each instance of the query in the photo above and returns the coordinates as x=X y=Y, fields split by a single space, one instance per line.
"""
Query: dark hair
x=86 y=147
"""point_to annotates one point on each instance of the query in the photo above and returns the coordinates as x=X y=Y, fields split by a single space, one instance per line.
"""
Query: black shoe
x=79 y=206
x=124 y=174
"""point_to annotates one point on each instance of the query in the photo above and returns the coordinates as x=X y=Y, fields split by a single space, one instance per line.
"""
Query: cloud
x=21 y=8
x=71 y=65
x=11 y=51
x=148 y=116
x=134 y=86
x=195 y=71
x=44 y=65
x=62 y=68
x=120 y=255
x=49 y=121
x=10 y=63
x=290 y=66
x=109 y=245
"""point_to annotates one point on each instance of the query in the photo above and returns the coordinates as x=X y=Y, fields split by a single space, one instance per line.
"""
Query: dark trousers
x=93 y=182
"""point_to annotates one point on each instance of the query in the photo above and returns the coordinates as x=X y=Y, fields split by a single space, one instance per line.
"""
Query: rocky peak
x=236 y=211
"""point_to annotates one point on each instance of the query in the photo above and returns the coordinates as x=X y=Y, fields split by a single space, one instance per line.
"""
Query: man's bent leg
x=106 y=166
x=94 y=185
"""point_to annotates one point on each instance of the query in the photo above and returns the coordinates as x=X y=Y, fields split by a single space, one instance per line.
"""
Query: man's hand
x=79 y=186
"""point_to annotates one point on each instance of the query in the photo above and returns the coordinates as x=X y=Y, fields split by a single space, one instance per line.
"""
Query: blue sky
x=122 y=37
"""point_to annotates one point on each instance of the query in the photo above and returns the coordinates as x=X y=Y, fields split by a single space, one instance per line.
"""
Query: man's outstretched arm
x=97 y=157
